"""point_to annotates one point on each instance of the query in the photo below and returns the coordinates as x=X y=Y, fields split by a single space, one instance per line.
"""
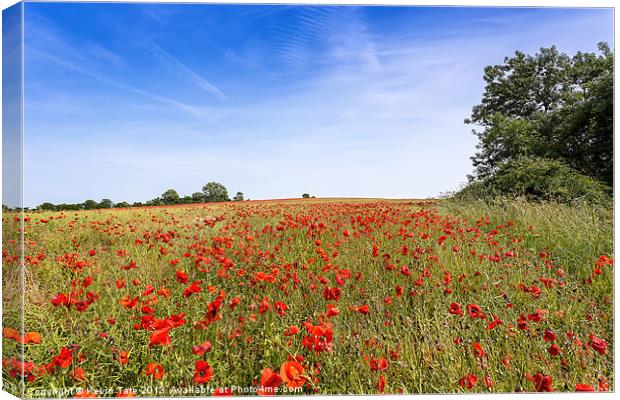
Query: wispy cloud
x=45 y=43
x=314 y=28
x=177 y=66
x=76 y=67
x=106 y=55
x=322 y=36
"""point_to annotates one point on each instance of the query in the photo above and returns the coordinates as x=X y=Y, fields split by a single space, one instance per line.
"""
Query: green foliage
x=305 y=196
x=47 y=207
x=238 y=197
x=581 y=133
x=155 y=202
x=548 y=105
x=198 y=197
x=170 y=196
x=122 y=204
x=90 y=204
x=215 y=192
x=106 y=203
x=538 y=179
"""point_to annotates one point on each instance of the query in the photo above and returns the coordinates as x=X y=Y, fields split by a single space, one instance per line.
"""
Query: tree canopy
x=238 y=197
x=215 y=192
x=170 y=196
x=547 y=106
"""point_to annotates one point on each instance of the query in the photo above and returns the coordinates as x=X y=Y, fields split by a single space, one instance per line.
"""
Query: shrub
x=538 y=179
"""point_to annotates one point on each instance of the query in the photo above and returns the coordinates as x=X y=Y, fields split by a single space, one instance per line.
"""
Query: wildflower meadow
x=322 y=296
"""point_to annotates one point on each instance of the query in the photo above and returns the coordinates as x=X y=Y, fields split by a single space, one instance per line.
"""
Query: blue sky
x=124 y=101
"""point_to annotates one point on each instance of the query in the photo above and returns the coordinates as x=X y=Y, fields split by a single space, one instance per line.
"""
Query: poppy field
x=317 y=296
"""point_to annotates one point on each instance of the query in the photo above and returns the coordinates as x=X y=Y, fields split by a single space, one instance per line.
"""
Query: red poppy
x=378 y=364
x=537 y=316
x=204 y=372
x=554 y=350
x=292 y=373
x=332 y=293
x=582 y=387
x=478 y=351
x=543 y=383
x=320 y=337
x=455 y=308
x=292 y=331
x=332 y=310
x=157 y=370
x=234 y=302
x=148 y=290
x=380 y=384
x=361 y=309
x=192 y=289
x=160 y=337
x=123 y=357
x=468 y=381
x=474 y=311
x=205 y=347
x=78 y=374
x=280 y=308
x=494 y=323
x=11 y=333
x=264 y=305
x=181 y=277
x=598 y=344
x=549 y=336
x=60 y=299
x=269 y=381
x=64 y=359
x=128 y=302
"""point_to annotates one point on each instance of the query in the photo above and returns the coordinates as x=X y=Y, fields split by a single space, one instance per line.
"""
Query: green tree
x=106 y=203
x=90 y=204
x=170 y=196
x=155 y=202
x=548 y=105
x=305 y=196
x=238 y=197
x=122 y=204
x=198 y=197
x=215 y=192
x=47 y=207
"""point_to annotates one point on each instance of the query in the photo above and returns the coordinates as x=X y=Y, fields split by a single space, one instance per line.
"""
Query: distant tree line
x=545 y=127
x=212 y=192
